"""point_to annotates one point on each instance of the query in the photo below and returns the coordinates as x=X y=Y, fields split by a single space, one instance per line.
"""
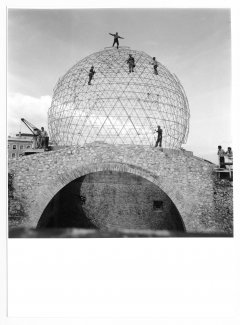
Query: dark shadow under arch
x=111 y=199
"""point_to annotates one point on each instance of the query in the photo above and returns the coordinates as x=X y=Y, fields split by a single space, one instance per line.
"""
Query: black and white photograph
x=118 y=128
x=121 y=194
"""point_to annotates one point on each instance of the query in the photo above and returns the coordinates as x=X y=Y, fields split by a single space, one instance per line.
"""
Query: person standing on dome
x=91 y=74
x=159 y=138
x=131 y=63
x=155 y=65
x=116 y=37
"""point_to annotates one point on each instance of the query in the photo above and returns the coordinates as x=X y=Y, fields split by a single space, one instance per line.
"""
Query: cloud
x=31 y=108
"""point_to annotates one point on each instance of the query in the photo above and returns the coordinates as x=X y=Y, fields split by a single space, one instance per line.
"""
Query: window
x=21 y=146
x=13 y=155
x=8 y=146
x=157 y=205
x=14 y=146
x=28 y=147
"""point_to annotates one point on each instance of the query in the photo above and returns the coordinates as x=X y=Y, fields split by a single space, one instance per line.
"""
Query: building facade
x=19 y=144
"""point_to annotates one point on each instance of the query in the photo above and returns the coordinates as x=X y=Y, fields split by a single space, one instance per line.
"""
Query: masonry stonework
x=109 y=200
x=123 y=200
x=204 y=204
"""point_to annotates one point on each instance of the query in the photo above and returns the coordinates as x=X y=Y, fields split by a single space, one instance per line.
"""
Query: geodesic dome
x=118 y=107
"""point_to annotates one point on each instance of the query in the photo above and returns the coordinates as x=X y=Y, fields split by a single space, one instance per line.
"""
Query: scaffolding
x=118 y=107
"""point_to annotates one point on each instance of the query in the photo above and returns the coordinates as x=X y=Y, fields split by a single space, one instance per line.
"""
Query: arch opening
x=107 y=200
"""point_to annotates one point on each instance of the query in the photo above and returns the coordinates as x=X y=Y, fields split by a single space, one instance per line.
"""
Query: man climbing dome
x=155 y=65
x=131 y=63
x=91 y=74
x=159 y=138
x=116 y=37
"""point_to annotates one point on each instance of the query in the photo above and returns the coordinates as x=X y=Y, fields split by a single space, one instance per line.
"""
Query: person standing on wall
x=229 y=156
x=229 y=153
x=116 y=37
x=159 y=137
x=44 y=137
x=221 y=155
x=36 y=138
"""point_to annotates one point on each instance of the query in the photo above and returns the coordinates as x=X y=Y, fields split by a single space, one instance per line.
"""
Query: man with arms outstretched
x=116 y=37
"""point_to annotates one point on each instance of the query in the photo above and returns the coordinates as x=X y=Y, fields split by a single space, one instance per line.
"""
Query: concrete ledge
x=92 y=233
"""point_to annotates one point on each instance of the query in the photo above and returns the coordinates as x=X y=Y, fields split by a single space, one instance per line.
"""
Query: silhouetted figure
x=159 y=137
x=131 y=63
x=229 y=156
x=36 y=138
x=155 y=65
x=116 y=37
x=91 y=74
x=221 y=154
x=229 y=153
x=44 y=138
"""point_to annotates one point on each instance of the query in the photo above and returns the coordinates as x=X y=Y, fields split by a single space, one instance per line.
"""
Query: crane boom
x=29 y=125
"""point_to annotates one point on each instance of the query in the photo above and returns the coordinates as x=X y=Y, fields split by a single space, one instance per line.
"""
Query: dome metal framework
x=119 y=107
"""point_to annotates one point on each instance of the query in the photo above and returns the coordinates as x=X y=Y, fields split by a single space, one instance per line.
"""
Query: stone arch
x=52 y=188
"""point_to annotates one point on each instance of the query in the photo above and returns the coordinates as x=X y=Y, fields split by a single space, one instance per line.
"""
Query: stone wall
x=223 y=202
x=188 y=181
x=15 y=207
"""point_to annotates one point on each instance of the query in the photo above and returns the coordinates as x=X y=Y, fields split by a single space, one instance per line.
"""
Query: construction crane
x=31 y=127
x=37 y=139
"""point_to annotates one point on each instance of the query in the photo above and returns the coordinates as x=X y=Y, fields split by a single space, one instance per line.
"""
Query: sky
x=195 y=44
